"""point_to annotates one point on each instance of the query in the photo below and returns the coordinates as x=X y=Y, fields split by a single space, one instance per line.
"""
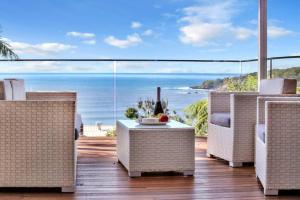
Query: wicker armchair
x=278 y=144
x=232 y=119
x=37 y=141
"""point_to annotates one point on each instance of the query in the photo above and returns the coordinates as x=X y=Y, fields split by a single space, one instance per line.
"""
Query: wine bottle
x=158 y=107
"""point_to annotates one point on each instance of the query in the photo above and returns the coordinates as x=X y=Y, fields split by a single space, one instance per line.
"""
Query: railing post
x=115 y=90
x=262 y=40
x=271 y=67
x=241 y=68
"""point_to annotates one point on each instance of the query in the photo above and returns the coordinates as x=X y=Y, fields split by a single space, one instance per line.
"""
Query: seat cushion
x=261 y=133
x=278 y=86
x=221 y=119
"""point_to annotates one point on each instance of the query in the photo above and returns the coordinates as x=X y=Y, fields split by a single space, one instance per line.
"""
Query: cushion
x=260 y=131
x=14 y=89
x=7 y=90
x=278 y=86
x=221 y=119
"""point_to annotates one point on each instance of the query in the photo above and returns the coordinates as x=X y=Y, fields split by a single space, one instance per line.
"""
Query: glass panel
x=93 y=82
x=180 y=82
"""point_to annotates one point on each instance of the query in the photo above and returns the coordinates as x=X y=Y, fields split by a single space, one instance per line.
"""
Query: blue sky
x=178 y=29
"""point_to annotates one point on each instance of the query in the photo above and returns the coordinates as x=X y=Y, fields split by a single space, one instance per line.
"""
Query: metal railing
x=242 y=61
x=115 y=61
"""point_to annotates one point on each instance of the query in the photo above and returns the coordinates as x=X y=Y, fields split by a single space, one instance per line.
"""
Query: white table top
x=132 y=124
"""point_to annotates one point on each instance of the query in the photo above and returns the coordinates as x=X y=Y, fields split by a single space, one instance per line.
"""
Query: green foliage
x=6 y=51
x=111 y=133
x=293 y=72
x=131 y=113
x=176 y=117
x=245 y=84
x=196 y=115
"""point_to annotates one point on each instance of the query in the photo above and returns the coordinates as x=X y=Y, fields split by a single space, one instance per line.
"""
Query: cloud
x=81 y=35
x=201 y=34
x=131 y=40
x=90 y=42
x=148 y=32
x=87 y=38
x=276 y=32
x=39 y=49
x=211 y=24
x=56 y=67
x=136 y=25
x=242 y=33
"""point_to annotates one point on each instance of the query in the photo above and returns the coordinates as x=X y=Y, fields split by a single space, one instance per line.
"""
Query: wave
x=183 y=88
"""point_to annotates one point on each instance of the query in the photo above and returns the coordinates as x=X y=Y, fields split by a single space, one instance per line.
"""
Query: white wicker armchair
x=37 y=141
x=235 y=142
x=232 y=119
x=277 y=157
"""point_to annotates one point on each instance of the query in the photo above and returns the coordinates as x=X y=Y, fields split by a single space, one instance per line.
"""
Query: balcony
x=99 y=175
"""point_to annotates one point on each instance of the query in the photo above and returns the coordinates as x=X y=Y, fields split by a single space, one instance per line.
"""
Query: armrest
x=243 y=118
x=243 y=110
x=261 y=100
x=282 y=138
x=72 y=96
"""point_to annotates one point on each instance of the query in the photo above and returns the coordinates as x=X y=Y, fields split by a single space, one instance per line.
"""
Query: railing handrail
x=139 y=60
x=117 y=60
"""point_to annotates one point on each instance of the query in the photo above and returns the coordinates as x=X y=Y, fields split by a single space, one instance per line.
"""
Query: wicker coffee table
x=160 y=148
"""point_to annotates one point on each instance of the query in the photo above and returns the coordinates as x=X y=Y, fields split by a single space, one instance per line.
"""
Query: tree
x=6 y=51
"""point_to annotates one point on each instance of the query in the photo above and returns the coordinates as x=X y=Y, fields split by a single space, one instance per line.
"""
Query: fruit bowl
x=161 y=120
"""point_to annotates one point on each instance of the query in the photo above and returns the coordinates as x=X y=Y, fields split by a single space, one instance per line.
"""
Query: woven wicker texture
x=261 y=104
x=278 y=161
x=235 y=144
x=37 y=144
x=159 y=149
x=37 y=147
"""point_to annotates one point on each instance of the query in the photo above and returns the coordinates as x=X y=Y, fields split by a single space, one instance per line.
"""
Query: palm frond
x=6 y=51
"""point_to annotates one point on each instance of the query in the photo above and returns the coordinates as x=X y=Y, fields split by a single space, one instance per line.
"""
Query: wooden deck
x=99 y=176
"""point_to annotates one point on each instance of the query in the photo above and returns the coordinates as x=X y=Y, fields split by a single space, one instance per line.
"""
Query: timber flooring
x=99 y=176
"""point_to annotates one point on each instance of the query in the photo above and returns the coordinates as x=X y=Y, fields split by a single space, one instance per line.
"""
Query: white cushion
x=7 y=90
x=278 y=86
x=17 y=89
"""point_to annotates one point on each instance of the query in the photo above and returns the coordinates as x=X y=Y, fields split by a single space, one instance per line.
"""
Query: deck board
x=99 y=176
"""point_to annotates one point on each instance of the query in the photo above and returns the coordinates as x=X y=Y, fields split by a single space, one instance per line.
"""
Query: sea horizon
x=95 y=91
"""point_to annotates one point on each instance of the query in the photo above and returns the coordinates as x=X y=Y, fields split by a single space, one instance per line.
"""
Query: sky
x=158 y=29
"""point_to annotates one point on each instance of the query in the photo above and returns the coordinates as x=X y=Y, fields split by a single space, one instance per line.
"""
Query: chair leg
x=209 y=155
x=188 y=173
x=134 y=174
x=271 y=192
x=235 y=164
x=68 y=189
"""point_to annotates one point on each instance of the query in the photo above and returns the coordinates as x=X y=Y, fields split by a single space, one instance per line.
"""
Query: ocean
x=96 y=91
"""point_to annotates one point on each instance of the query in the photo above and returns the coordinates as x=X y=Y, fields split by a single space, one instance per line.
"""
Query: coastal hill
x=222 y=84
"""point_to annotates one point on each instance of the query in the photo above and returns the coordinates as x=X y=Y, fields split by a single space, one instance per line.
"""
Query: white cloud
x=201 y=34
x=56 y=67
x=276 y=32
x=131 y=40
x=90 y=42
x=39 y=49
x=148 y=32
x=211 y=24
x=136 y=25
x=81 y=35
x=88 y=38
x=242 y=33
